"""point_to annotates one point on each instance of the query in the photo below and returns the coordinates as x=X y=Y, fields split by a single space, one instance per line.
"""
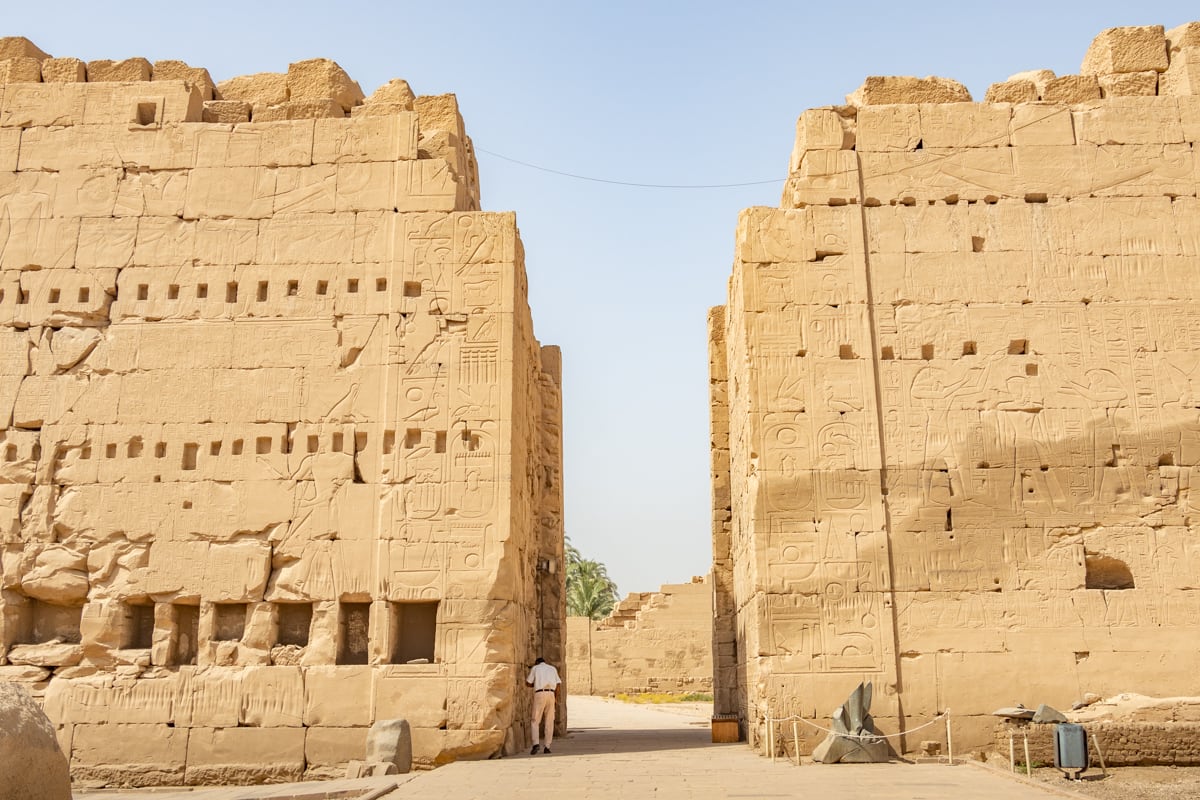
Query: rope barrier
x=939 y=717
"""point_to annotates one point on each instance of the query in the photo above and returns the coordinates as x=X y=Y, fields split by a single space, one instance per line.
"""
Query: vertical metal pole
x=1012 y=755
x=1028 y=763
x=771 y=737
x=949 y=740
x=1096 y=742
x=796 y=742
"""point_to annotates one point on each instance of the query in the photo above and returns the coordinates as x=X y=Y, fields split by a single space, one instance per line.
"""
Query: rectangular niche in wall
x=47 y=622
x=414 y=632
x=187 y=633
x=295 y=620
x=138 y=626
x=229 y=621
x=354 y=621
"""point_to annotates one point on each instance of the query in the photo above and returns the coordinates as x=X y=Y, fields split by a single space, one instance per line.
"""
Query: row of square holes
x=85 y=294
x=262 y=446
x=411 y=289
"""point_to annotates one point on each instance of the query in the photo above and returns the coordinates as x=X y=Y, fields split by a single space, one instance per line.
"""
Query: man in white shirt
x=545 y=682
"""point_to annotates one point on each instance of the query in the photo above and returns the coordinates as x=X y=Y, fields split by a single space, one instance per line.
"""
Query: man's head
x=539 y=661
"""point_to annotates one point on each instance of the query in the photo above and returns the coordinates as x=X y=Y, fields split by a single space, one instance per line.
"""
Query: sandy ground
x=1130 y=783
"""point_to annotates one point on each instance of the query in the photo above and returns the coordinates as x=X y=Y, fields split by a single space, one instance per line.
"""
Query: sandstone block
x=21 y=69
x=1072 y=89
x=888 y=127
x=244 y=755
x=181 y=71
x=228 y=112
x=133 y=755
x=130 y=69
x=298 y=109
x=1040 y=78
x=326 y=746
x=1185 y=35
x=1133 y=120
x=1182 y=78
x=1042 y=124
x=887 y=90
x=395 y=93
x=1129 y=49
x=1012 y=91
x=64 y=70
x=964 y=125
x=20 y=47
x=31 y=763
x=1129 y=84
x=320 y=79
x=338 y=696
x=440 y=112
x=821 y=129
x=260 y=89
x=390 y=742
x=32 y=105
x=392 y=138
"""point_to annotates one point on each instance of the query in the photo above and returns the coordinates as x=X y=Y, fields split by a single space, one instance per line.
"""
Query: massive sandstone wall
x=279 y=452
x=652 y=642
x=957 y=381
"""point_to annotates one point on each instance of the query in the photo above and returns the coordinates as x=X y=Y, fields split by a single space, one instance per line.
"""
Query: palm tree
x=590 y=592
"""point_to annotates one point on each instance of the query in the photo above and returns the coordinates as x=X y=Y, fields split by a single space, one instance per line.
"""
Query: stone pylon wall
x=279 y=452
x=961 y=364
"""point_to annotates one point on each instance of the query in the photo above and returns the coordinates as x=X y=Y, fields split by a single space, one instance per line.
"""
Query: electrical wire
x=629 y=183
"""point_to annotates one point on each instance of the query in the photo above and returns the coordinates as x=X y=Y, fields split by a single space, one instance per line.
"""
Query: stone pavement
x=616 y=751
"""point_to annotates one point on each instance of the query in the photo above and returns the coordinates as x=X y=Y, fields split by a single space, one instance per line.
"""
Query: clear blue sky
x=667 y=92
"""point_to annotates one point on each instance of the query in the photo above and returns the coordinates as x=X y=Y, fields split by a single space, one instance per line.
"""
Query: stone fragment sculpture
x=854 y=740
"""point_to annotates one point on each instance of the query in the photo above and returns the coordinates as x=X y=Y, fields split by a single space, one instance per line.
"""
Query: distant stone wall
x=653 y=642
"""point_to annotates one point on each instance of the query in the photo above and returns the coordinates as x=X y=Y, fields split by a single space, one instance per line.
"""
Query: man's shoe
x=535 y=750
x=546 y=750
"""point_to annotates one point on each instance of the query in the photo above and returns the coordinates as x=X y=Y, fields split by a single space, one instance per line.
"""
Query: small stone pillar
x=390 y=742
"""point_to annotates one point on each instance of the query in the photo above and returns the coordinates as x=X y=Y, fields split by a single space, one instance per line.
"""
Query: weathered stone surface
x=264 y=389
x=20 y=47
x=1072 y=89
x=130 y=69
x=1131 y=49
x=320 y=79
x=64 y=70
x=226 y=112
x=32 y=767
x=1129 y=84
x=180 y=71
x=20 y=69
x=1040 y=78
x=1012 y=91
x=260 y=89
x=396 y=93
x=885 y=90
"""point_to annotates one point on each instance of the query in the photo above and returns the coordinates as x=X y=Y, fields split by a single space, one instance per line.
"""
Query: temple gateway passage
x=954 y=400
x=279 y=452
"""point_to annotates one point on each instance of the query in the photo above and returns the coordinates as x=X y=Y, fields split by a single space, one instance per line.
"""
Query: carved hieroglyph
x=279 y=452
x=956 y=399
x=651 y=642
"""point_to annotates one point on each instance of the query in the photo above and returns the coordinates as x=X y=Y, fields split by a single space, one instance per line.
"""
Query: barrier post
x=949 y=741
x=1028 y=763
x=796 y=741
x=1012 y=754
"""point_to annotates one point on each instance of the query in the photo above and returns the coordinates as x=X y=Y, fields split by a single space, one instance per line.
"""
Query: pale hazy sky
x=664 y=93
